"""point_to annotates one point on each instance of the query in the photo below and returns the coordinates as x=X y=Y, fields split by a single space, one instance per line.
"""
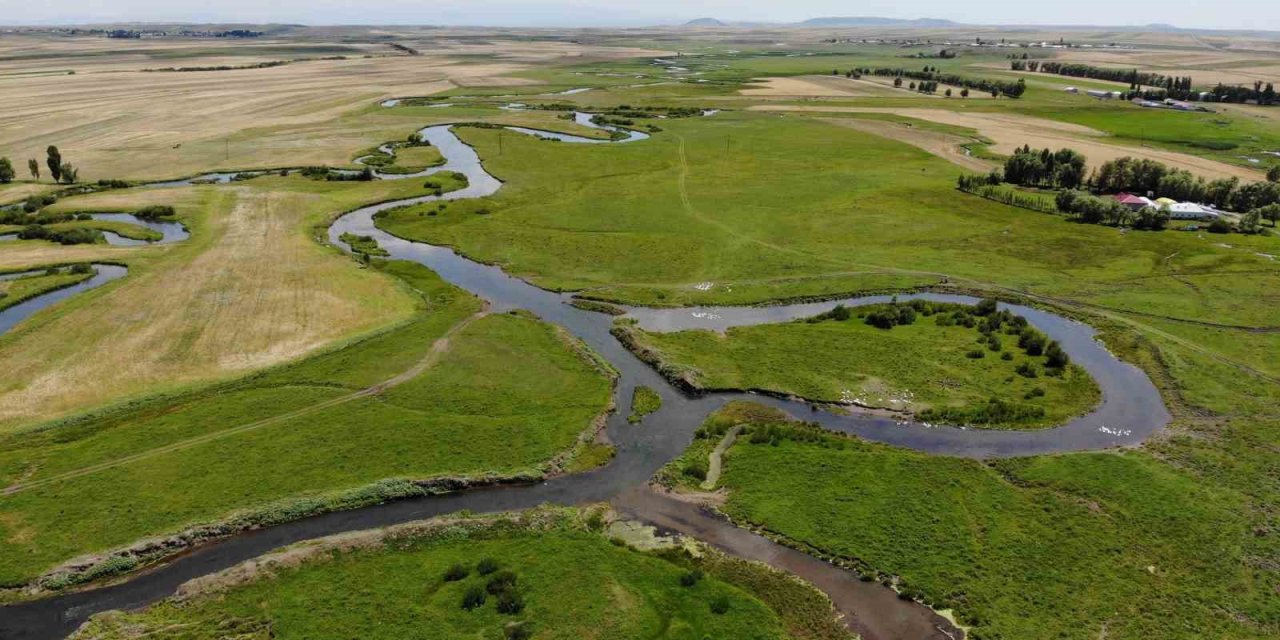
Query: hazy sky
x=1247 y=14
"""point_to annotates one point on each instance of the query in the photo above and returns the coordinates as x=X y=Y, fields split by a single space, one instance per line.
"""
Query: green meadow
x=1070 y=546
x=567 y=582
x=911 y=368
x=104 y=481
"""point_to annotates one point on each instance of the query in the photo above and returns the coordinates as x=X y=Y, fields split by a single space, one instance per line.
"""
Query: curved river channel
x=1130 y=411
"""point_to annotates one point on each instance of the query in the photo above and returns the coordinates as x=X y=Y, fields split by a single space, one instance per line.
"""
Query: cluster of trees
x=325 y=173
x=257 y=65
x=155 y=212
x=934 y=75
x=1063 y=169
x=1174 y=86
x=60 y=171
x=1093 y=209
x=1157 y=85
x=1141 y=175
x=1260 y=93
x=79 y=235
x=988 y=186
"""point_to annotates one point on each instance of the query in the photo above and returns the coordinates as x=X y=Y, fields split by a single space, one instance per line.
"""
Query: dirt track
x=943 y=145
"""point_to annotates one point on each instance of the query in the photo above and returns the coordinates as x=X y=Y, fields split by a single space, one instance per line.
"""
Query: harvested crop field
x=816 y=87
x=249 y=290
x=1009 y=131
x=113 y=120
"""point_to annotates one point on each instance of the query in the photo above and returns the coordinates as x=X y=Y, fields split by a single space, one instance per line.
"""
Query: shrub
x=883 y=319
x=985 y=307
x=1031 y=341
x=81 y=268
x=1034 y=393
x=500 y=582
x=691 y=578
x=1219 y=226
x=976 y=354
x=1055 y=357
x=1006 y=356
x=720 y=605
x=474 y=598
x=456 y=573
x=155 y=211
x=487 y=566
x=1026 y=370
x=696 y=472
x=510 y=602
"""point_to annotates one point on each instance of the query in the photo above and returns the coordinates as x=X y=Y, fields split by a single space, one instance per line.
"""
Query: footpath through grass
x=469 y=414
x=545 y=573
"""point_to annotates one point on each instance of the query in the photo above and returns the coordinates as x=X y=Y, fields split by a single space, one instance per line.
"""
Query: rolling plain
x=266 y=374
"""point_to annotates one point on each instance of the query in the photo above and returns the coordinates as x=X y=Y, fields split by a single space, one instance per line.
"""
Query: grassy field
x=249 y=289
x=106 y=480
x=739 y=208
x=1052 y=547
x=907 y=368
x=570 y=581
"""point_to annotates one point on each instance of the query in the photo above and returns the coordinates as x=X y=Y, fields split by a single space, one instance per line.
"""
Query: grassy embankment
x=569 y=582
x=279 y=445
x=914 y=367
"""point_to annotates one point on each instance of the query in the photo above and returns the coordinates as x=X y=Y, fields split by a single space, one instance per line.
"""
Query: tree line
x=61 y=171
x=1158 y=85
x=1142 y=176
x=936 y=76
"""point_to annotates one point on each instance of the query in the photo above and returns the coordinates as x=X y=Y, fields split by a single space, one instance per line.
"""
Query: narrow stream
x=1130 y=411
x=11 y=316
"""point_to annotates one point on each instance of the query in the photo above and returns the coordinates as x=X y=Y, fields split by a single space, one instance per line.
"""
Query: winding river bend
x=1130 y=411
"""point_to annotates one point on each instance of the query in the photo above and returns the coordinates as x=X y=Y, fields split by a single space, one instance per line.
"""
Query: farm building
x=1190 y=211
x=1133 y=202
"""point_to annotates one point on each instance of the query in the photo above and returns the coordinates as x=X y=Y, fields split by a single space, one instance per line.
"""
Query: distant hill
x=867 y=21
x=705 y=22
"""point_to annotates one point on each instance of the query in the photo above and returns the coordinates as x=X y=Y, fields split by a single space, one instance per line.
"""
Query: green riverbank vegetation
x=1045 y=547
x=952 y=363
x=547 y=573
x=644 y=401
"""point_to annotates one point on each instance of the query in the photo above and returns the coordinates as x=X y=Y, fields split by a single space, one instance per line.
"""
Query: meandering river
x=1130 y=411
